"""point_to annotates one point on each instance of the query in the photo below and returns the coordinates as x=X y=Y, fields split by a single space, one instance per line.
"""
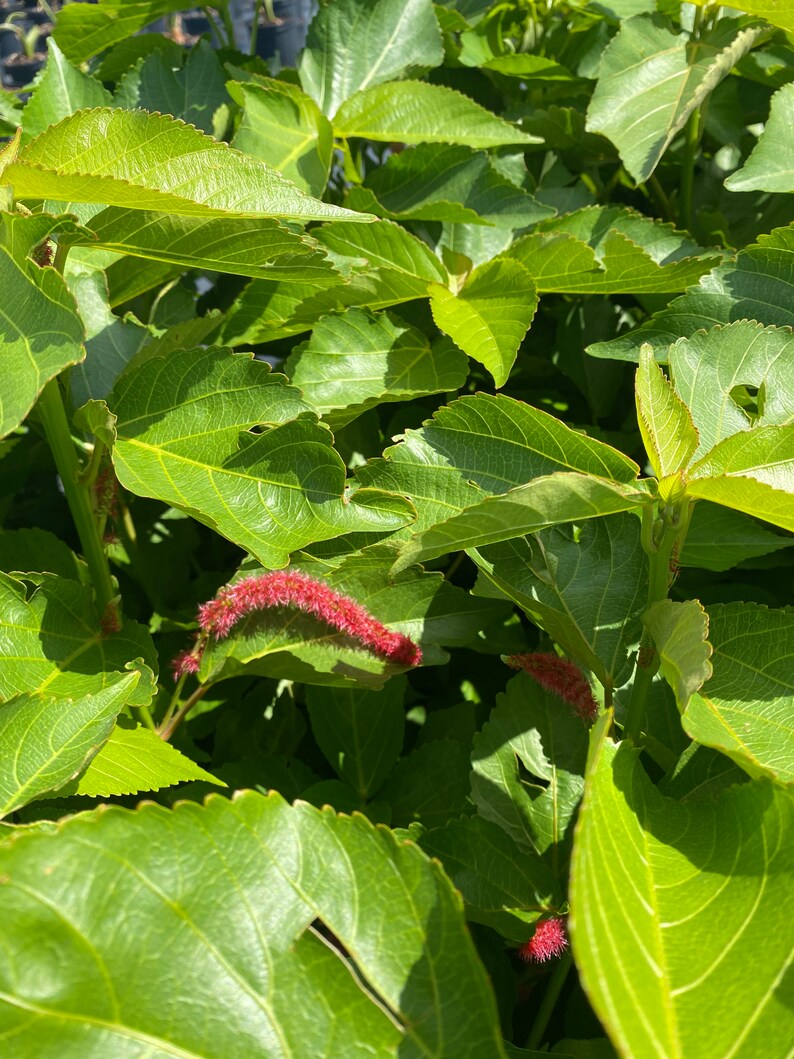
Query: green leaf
x=154 y=162
x=444 y=182
x=37 y=549
x=53 y=645
x=535 y=729
x=764 y=453
x=770 y=166
x=502 y=885
x=285 y=128
x=45 y=335
x=544 y=502
x=650 y=80
x=193 y=92
x=231 y=899
x=609 y=249
x=700 y=774
x=291 y=645
x=45 y=740
x=748 y=495
x=586 y=586
x=184 y=437
x=758 y=285
x=83 y=30
x=718 y=372
x=705 y=899
x=668 y=433
x=94 y=417
x=257 y=247
x=745 y=709
x=61 y=90
x=778 y=12
x=430 y=785
x=418 y=112
x=680 y=632
x=718 y=539
x=360 y=732
x=351 y=46
x=490 y=315
x=135 y=759
x=360 y=359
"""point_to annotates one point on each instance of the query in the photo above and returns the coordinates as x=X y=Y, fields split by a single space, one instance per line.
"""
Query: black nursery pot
x=10 y=44
x=286 y=36
x=21 y=69
x=195 y=23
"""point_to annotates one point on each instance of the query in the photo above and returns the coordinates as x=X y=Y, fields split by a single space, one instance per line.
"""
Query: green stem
x=691 y=142
x=550 y=998
x=254 y=29
x=172 y=705
x=169 y=729
x=659 y=195
x=78 y=496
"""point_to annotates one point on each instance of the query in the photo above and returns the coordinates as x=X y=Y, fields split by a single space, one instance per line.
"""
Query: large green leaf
x=503 y=886
x=609 y=249
x=351 y=46
x=154 y=162
x=192 y=93
x=289 y=644
x=718 y=372
x=778 y=12
x=586 y=586
x=230 y=891
x=705 y=900
x=748 y=495
x=445 y=182
x=534 y=729
x=745 y=710
x=490 y=315
x=360 y=732
x=184 y=437
x=134 y=759
x=770 y=167
x=665 y=422
x=650 y=80
x=285 y=128
x=45 y=740
x=680 y=632
x=719 y=538
x=44 y=335
x=52 y=643
x=430 y=785
x=61 y=90
x=538 y=505
x=83 y=30
x=359 y=359
x=418 y=112
x=758 y=285
x=764 y=453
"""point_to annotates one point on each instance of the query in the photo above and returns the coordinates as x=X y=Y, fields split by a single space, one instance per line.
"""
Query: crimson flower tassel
x=549 y=940
x=560 y=677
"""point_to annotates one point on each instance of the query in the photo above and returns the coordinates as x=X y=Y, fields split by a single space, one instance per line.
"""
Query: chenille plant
x=395 y=536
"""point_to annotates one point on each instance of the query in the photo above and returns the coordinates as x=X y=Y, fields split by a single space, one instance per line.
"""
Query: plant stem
x=78 y=496
x=254 y=29
x=692 y=139
x=167 y=731
x=172 y=705
x=550 y=997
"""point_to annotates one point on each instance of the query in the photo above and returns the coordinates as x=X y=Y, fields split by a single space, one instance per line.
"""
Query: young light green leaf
x=268 y=983
x=586 y=586
x=285 y=128
x=94 y=417
x=83 y=30
x=502 y=885
x=61 y=91
x=359 y=359
x=418 y=112
x=745 y=709
x=184 y=437
x=490 y=315
x=351 y=46
x=537 y=729
x=758 y=285
x=704 y=899
x=650 y=80
x=763 y=453
x=735 y=378
x=360 y=732
x=445 y=182
x=53 y=645
x=668 y=433
x=45 y=740
x=45 y=335
x=135 y=759
x=155 y=162
x=718 y=538
x=680 y=632
x=748 y=495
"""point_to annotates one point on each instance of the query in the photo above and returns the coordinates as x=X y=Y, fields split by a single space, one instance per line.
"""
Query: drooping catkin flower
x=288 y=588
x=549 y=940
x=561 y=677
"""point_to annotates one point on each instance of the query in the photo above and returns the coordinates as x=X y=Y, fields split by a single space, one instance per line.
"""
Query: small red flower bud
x=549 y=940
x=562 y=678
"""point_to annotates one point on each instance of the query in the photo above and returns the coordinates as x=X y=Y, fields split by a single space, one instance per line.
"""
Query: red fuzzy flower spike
x=562 y=678
x=184 y=663
x=549 y=940
x=286 y=588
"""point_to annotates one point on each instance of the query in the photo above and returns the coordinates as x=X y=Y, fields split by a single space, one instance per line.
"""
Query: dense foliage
x=478 y=597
